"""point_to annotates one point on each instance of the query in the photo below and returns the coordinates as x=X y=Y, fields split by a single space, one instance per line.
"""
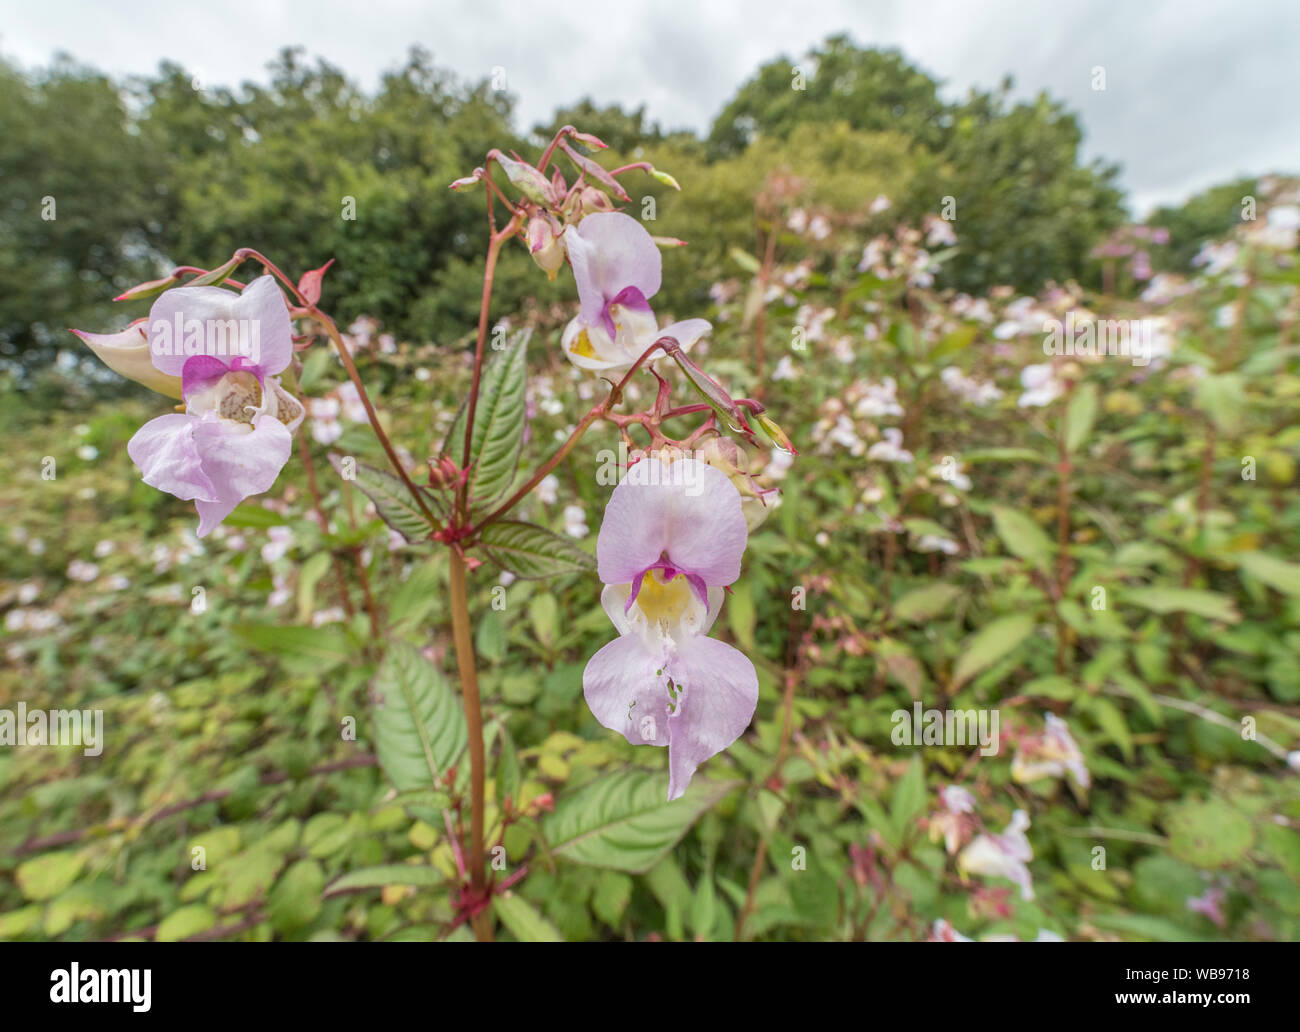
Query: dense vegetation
x=1099 y=550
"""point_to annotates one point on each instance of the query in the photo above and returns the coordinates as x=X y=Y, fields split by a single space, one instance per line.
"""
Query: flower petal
x=167 y=454
x=686 y=332
x=127 y=354
x=718 y=689
x=627 y=691
x=260 y=320
x=688 y=509
x=239 y=464
x=610 y=252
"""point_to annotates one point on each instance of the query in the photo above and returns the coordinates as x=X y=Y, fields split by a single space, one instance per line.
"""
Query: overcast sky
x=1196 y=92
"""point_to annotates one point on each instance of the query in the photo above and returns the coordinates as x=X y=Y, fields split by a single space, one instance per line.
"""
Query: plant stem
x=304 y=455
x=1062 y=545
x=482 y=923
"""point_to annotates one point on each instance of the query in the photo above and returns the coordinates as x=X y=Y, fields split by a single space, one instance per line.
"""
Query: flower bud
x=127 y=354
x=723 y=453
x=545 y=245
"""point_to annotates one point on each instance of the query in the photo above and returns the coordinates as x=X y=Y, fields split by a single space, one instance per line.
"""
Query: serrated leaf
x=1022 y=537
x=419 y=725
x=392 y=500
x=499 y=418
x=530 y=551
x=990 y=644
x=623 y=821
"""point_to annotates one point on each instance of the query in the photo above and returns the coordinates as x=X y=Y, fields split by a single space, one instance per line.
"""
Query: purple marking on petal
x=636 y=589
x=201 y=370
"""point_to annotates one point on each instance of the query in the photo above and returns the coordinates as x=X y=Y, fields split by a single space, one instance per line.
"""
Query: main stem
x=481 y=923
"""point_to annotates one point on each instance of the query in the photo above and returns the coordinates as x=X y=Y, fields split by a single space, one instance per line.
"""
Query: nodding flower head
x=618 y=268
x=235 y=434
x=672 y=539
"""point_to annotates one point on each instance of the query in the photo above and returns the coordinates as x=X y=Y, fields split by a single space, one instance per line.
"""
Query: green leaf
x=741 y=615
x=990 y=644
x=745 y=260
x=318 y=647
x=523 y=920
x=392 y=498
x=181 y=924
x=1112 y=723
x=1275 y=572
x=308 y=577
x=294 y=901
x=1210 y=834
x=909 y=795
x=1185 y=600
x=1080 y=416
x=530 y=551
x=1223 y=397
x=46 y=876
x=499 y=417
x=926 y=602
x=419 y=726
x=612 y=895
x=624 y=821
x=1022 y=537
x=387 y=874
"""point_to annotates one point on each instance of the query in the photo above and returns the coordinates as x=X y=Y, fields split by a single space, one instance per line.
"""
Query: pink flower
x=672 y=538
x=1002 y=856
x=1210 y=904
x=618 y=268
x=236 y=432
x=1051 y=754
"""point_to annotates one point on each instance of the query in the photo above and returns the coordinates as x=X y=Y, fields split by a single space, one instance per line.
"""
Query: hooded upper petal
x=167 y=454
x=127 y=354
x=717 y=695
x=687 y=510
x=259 y=315
x=610 y=253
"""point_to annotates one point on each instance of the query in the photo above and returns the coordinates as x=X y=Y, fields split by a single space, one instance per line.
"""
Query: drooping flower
x=1050 y=754
x=671 y=540
x=236 y=432
x=1002 y=856
x=955 y=822
x=618 y=268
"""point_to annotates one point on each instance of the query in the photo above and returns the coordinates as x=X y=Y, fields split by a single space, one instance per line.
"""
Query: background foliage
x=249 y=714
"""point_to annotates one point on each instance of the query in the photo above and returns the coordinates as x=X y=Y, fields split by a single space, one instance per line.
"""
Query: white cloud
x=1197 y=92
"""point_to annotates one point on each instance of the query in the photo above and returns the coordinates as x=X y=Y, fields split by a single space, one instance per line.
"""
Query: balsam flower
x=1002 y=856
x=671 y=540
x=618 y=268
x=1051 y=754
x=236 y=432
